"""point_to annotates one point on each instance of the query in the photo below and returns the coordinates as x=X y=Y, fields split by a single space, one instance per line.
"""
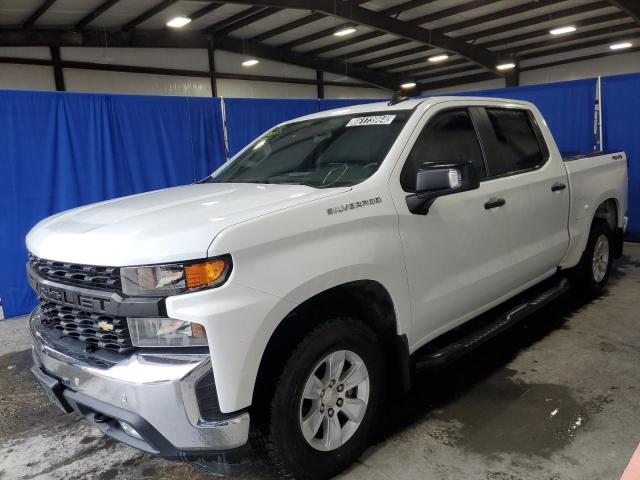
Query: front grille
x=90 y=276
x=86 y=326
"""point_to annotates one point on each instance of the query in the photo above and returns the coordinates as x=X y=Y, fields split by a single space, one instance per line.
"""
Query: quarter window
x=517 y=144
x=449 y=137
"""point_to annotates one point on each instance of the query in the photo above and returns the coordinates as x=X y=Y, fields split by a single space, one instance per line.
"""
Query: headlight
x=166 y=332
x=175 y=278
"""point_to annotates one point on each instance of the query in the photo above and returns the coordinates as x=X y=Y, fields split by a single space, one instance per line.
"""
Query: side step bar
x=435 y=356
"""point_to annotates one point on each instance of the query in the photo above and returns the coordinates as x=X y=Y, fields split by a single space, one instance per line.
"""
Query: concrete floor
x=558 y=397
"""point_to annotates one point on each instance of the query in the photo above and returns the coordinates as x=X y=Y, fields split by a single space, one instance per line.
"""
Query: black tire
x=584 y=275
x=281 y=434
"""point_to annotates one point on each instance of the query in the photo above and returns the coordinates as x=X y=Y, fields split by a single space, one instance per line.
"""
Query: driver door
x=455 y=253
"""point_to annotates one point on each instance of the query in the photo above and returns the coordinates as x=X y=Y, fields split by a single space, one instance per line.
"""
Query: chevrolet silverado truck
x=298 y=287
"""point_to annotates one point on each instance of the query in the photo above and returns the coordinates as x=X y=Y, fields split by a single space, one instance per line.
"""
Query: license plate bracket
x=52 y=389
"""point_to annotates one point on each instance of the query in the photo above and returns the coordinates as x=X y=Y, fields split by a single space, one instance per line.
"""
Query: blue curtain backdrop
x=567 y=106
x=62 y=150
x=249 y=117
x=621 y=122
x=331 y=103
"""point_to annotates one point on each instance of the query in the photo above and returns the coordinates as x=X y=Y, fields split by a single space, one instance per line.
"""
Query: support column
x=57 y=68
x=320 y=83
x=212 y=71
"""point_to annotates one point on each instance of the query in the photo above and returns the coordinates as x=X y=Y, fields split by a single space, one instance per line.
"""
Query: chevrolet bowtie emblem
x=107 y=327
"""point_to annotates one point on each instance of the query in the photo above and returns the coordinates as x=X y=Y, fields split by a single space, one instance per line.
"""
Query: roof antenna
x=397 y=98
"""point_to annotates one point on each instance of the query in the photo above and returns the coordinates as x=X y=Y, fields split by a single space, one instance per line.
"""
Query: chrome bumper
x=154 y=393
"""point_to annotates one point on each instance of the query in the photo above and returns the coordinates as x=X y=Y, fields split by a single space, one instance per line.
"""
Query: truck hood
x=168 y=225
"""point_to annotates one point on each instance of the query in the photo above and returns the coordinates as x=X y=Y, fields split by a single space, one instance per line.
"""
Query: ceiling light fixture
x=562 y=30
x=620 y=46
x=344 y=31
x=178 y=22
x=408 y=85
x=438 y=58
x=506 y=66
x=250 y=62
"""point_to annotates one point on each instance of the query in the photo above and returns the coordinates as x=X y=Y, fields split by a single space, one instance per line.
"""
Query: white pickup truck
x=311 y=275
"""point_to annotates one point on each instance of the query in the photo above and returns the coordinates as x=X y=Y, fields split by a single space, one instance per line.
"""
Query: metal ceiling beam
x=587 y=22
x=33 y=18
x=581 y=58
x=376 y=49
x=146 y=15
x=546 y=17
x=95 y=13
x=204 y=11
x=224 y=24
x=393 y=56
x=382 y=79
x=630 y=7
x=186 y=39
x=301 y=22
x=491 y=17
x=344 y=43
x=389 y=11
x=451 y=71
x=172 y=71
x=531 y=35
x=581 y=36
x=448 y=12
x=406 y=6
x=452 y=82
x=267 y=12
x=383 y=23
x=588 y=44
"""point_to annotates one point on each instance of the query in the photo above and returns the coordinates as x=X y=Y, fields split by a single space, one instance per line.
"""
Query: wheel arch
x=608 y=210
x=366 y=300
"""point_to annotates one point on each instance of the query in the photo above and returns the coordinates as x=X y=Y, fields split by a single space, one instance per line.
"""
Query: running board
x=438 y=354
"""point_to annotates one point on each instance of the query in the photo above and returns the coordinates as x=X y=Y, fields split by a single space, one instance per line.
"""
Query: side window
x=447 y=138
x=517 y=142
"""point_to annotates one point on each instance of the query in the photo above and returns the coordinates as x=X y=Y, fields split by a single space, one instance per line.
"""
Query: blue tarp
x=621 y=124
x=62 y=150
x=567 y=106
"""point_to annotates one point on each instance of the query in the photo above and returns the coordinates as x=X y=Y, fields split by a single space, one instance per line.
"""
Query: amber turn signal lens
x=206 y=273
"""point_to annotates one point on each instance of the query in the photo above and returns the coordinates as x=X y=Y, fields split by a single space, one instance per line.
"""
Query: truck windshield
x=334 y=151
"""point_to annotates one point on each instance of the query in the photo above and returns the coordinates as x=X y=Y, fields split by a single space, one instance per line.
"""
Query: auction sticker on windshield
x=373 y=120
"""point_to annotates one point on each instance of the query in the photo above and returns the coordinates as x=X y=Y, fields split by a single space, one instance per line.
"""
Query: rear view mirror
x=435 y=180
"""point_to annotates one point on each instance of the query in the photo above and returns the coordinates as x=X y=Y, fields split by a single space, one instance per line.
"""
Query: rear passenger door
x=533 y=186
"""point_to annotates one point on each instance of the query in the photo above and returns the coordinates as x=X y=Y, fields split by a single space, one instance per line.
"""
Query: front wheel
x=326 y=402
x=594 y=269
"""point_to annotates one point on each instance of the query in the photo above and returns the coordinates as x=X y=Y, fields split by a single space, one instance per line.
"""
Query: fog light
x=129 y=430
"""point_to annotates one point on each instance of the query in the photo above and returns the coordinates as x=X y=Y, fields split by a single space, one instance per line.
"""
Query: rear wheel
x=594 y=269
x=325 y=405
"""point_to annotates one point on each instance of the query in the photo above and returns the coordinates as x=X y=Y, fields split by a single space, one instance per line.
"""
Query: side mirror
x=435 y=180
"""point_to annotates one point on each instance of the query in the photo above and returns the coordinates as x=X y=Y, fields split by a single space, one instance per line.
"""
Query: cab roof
x=409 y=104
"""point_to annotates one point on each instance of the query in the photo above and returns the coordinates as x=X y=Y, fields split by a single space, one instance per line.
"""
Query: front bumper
x=152 y=393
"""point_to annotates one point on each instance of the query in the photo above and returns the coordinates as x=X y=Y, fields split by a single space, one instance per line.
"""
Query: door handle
x=556 y=187
x=494 y=203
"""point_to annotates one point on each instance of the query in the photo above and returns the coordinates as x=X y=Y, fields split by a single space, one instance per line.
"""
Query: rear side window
x=448 y=137
x=517 y=142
